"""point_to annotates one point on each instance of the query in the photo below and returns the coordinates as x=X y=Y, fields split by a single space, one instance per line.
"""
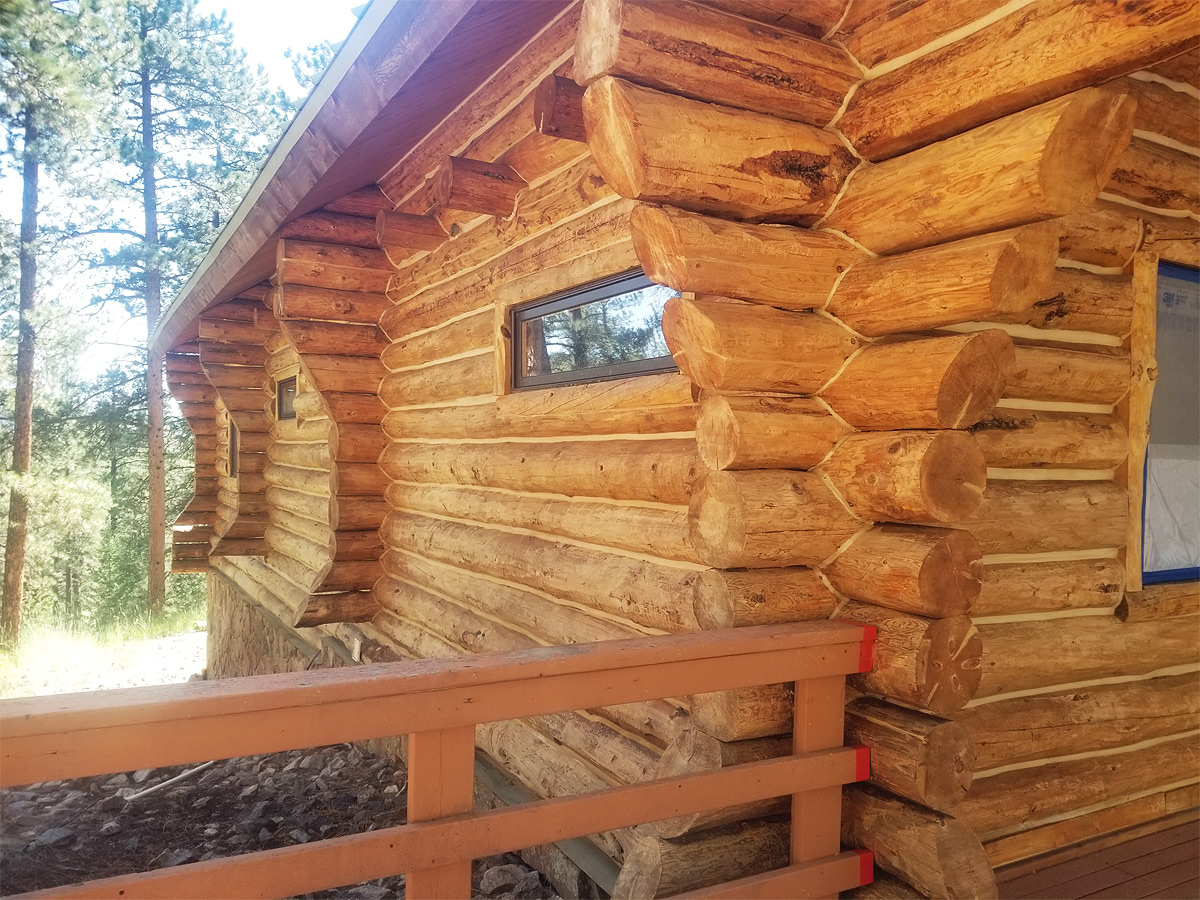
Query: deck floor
x=1161 y=865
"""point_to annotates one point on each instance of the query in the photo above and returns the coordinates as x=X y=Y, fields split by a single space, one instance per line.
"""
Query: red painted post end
x=866 y=867
x=862 y=763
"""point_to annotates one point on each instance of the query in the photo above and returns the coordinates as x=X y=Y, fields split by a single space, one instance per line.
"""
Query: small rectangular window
x=285 y=399
x=610 y=328
x=1171 y=501
x=233 y=450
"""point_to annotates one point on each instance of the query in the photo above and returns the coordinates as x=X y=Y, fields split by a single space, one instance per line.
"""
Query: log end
x=949 y=575
x=712 y=602
x=953 y=476
x=659 y=245
x=716 y=523
x=717 y=433
x=597 y=41
x=689 y=334
x=641 y=872
x=611 y=126
x=1024 y=269
x=950 y=665
x=975 y=379
x=1085 y=146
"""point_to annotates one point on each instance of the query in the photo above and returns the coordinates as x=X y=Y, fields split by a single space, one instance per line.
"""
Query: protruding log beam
x=932 y=664
x=733 y=598
x=935 y=853
x=1081 y=720
x=1160 y=601
x=1012 y=438
x=1078 y=376
x=1047 y=161
x=660 y=471
x=754 y=432
x=691 y=49
x=940 y=382
x=732 y=346
x=471 y=185
x=655 y=867
x=347 y=606
x=364 y=202
x=1045 y=516
x=695 y=751
x=1079 y=301
x=927 y=759
x=931 y=572
x=399 y=235
x=1041 y=51
x=973 y=279
x=668 y=149
x=1035 y=587
x=918 y=477
x=558 y=109
x=790 y=268
x=296 y=301
x=332 y=228
x=1021 y=656
x=767 y=517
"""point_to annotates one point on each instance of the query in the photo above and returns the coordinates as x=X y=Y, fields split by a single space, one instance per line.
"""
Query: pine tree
x=197 y=125
x=50 y=92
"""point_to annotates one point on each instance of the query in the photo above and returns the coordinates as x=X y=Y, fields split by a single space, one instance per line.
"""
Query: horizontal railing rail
x=438 y=703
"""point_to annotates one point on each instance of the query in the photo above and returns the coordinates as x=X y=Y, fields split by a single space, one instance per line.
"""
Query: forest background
x=132 y=128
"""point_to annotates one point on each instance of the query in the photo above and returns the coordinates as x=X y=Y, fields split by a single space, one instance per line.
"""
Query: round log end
x=949 y=575
x=716 y=521
x=659 y=245
x=975 y=379
x=953 y=476
x=952 y=765
x=609 y=119
x=949 y=665
x=717 y=433
x=688 y=333
x=1088 y=140
x=1023 y=271
x=712 y=602
x=641 y=872
x=691 y=752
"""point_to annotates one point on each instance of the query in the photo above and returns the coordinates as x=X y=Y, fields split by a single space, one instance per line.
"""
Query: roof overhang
x=406 y=66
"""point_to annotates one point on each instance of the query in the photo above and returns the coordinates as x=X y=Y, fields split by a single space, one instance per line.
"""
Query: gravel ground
x=68 y=831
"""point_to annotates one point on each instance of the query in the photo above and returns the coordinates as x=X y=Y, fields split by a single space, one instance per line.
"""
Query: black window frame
x=288 y=414
x=571 y=298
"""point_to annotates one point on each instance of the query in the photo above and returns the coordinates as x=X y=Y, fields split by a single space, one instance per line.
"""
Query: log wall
x=192 y=531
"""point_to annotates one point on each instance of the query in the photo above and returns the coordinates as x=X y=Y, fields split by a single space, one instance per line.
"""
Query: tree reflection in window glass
x=595 y=338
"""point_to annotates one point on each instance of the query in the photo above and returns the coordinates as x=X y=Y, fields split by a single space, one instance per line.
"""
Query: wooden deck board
x=1165 y=864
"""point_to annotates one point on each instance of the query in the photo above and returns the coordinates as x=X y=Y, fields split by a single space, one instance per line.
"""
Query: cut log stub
x=776 y=265
x=967 y=280
x=1047 y=161
x=1160 y=601
x=399 y=234
x=931 y=572
x=924 y=758
x=933 y=664
x=909 y=476
x=744 y=713
x=732 y=346
x=691 y=49
x=939 y=382
x=767 y=517
x=754 y=432
x=732 y=598
x=935 y=853
x=668 y=149
x=558 y=109
x=471 y=185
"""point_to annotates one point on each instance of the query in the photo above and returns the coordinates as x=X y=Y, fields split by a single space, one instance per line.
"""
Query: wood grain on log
x=473 y=185
x=1046 y=516
x=1034 y=587
x=733 y=598
x=1012 y=438
x=1075 y=376
x=558 y=109
x=1160 y=601
x=755 y=432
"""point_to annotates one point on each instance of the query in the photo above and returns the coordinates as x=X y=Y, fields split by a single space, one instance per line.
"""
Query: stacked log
x=233 y=355
x=192 y=531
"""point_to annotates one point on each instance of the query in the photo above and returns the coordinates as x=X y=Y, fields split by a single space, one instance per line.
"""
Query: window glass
x=1171 y=522
x=607 y=329
x=285 y=399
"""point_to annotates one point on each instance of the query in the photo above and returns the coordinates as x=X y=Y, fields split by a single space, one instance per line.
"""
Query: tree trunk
x=18 y=502
x=156 y=555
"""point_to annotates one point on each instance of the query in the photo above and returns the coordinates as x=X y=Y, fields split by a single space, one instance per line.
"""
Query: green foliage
x=309 y=65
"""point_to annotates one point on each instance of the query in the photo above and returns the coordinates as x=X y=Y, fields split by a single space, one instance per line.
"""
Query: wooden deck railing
x=438 y=703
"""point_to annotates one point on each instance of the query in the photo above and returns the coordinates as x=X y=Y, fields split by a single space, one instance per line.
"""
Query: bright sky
x=266 y=28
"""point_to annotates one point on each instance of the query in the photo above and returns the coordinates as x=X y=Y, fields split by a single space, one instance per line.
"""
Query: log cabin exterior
x=913 y=247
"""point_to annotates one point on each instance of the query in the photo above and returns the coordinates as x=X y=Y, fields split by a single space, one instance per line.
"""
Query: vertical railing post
x=818 y=725
x=441 y=782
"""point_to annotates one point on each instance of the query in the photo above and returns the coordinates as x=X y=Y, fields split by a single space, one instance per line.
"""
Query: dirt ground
x=69 y=831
